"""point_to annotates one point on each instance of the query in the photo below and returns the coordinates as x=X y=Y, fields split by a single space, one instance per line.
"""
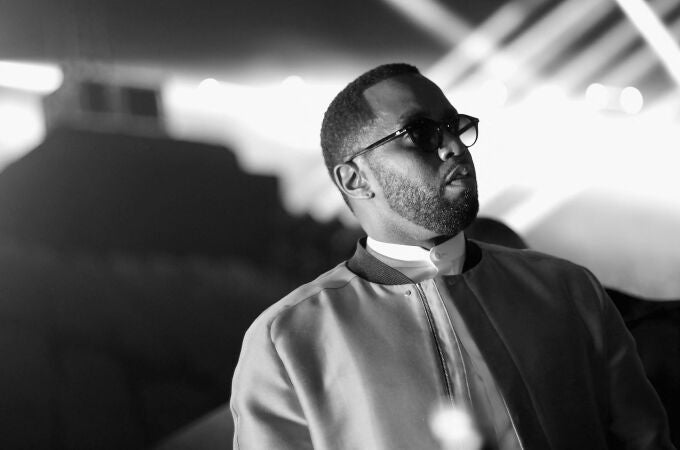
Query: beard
x=425 y=205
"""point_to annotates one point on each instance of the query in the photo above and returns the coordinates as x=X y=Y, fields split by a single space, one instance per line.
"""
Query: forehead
x=395 y=100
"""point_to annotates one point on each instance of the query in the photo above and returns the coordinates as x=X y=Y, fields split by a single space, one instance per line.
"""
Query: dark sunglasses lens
x=467 y=131
x=426 y=135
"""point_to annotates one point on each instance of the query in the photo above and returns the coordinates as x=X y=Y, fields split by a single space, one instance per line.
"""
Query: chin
x=458 y=215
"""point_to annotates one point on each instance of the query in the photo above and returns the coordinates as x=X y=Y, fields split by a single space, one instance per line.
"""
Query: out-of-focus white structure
x=578 y=137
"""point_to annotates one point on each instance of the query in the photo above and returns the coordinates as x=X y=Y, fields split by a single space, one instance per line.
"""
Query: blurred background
x=162 y=182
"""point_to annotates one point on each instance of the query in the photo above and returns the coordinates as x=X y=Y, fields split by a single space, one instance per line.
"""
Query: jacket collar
x=372 y=269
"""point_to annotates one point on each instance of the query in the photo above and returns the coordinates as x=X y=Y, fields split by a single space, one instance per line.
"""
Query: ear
x=351 y=182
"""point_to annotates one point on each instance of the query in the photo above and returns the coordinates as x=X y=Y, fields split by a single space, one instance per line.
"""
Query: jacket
x=357 y=359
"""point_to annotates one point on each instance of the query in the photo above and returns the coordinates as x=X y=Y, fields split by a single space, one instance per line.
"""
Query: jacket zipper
x=437 y=345
x=433 y=329
x=460 y=352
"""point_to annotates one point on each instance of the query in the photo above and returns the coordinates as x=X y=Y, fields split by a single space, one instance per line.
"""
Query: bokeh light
x=631 y=100
x=31 y=77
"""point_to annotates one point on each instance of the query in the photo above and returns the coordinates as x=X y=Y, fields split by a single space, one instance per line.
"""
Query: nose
x=451 y=147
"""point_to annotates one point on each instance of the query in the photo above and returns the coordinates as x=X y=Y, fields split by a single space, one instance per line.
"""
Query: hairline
x=368 y=124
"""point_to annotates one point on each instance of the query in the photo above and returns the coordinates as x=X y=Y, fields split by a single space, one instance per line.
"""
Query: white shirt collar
x=418 y=263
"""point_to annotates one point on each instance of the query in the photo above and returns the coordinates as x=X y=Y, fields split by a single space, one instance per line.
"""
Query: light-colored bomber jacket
x=354 y=360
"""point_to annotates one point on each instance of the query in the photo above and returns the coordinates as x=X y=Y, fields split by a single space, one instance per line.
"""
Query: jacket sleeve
x=264 y=406
x=637 y=419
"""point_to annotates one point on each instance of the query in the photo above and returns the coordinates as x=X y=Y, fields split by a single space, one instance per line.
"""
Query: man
x=359 y=358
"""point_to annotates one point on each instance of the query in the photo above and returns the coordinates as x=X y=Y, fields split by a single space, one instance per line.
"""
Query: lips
x=458 y=173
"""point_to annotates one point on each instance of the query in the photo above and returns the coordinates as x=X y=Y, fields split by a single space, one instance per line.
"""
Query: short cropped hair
x=349 y=113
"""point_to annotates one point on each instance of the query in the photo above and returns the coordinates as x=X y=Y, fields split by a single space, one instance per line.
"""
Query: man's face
x=419 y=186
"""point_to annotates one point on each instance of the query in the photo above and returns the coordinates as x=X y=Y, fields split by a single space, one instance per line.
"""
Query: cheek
x=407 y=169
x=425 y=174
x=414 y=167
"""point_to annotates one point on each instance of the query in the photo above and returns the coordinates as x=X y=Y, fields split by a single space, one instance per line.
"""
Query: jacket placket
x=446 y=344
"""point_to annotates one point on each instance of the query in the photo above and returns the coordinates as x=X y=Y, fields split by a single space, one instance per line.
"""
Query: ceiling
x=224 y=37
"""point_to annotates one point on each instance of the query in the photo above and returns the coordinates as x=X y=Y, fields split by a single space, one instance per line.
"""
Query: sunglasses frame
x=473 y=122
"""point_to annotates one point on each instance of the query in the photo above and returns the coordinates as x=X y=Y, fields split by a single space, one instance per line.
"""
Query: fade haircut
x=349 y=114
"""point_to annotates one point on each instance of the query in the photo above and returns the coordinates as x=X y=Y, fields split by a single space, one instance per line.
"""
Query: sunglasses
x=428 y=135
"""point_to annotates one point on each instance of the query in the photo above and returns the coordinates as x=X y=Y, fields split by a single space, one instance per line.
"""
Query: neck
x=426 y=242
x=399 y=231
x=439 y=239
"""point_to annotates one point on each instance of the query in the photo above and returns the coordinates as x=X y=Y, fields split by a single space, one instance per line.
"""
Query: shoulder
x=525 y=257
x=531 y=265
x=537 y=269
x=302 y=301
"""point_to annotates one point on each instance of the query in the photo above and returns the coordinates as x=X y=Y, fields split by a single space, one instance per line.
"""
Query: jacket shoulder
x=531 y=257
x=543 y=269
x=335 y=278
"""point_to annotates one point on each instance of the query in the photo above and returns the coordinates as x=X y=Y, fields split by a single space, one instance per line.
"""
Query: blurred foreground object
x=455 y=429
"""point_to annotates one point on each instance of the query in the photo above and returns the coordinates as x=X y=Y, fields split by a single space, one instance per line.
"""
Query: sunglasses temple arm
x=377 y=144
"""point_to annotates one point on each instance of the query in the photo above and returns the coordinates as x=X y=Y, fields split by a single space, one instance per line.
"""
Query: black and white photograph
x=340 y=225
